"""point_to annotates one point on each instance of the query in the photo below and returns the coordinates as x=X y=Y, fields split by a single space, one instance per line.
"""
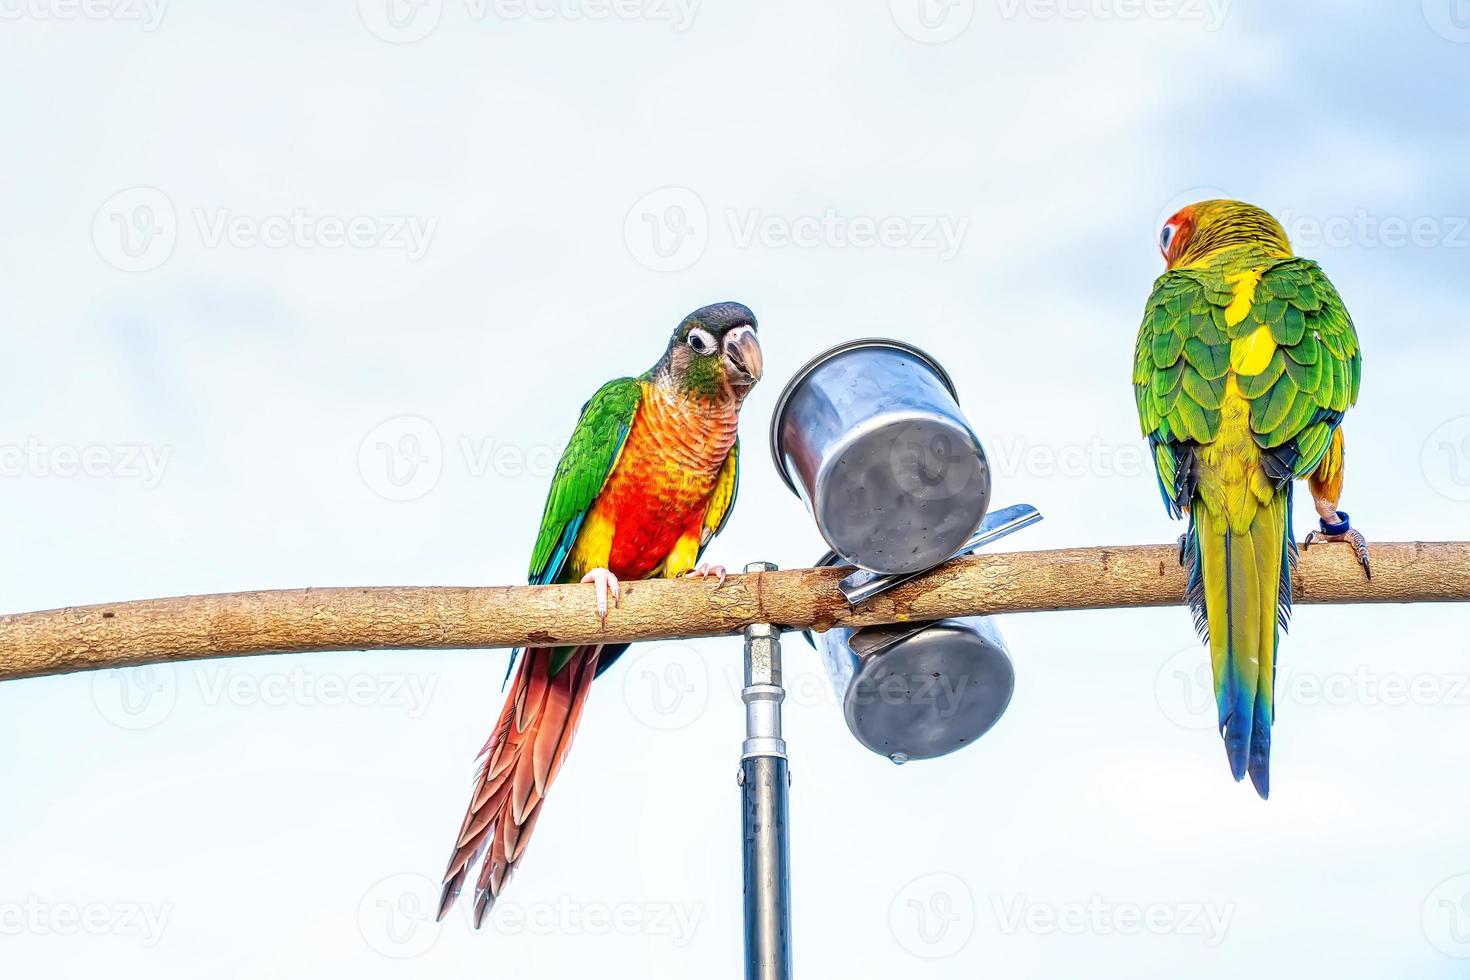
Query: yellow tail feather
x=1241 y=577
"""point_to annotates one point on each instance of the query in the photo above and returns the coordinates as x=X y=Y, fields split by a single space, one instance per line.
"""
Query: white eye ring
x=1166 y=238
x=701 y=340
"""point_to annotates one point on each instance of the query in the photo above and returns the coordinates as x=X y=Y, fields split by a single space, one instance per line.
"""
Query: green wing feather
x=585 y=464
x=582 y=472
x=1179 y=366
x=1320 y=362
x=1183 y=355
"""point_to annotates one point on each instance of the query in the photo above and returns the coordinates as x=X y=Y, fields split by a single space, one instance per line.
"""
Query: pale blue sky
x=315 y=303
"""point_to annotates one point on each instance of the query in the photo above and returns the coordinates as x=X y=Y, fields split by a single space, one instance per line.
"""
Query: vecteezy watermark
x=136 y=698
x=146 y=14
x=1098 y=916
x=932 y=21
x=123 y=461
x=35 y=916
x=666 y=685
x=396 y=916
x=139 y=698
x=675 y=922
x=1184 y=689
x=138 y=229
x=939 y=233
x=669 y=229
x=403 y=458
x=1366 y=230
x=1450 y=19
x=1445 y=459
x=408 y=21
x=1445 y=917
x=1362 y=228
x=1210 y=13
x=1018 y=456
x=933 y=916
x=300 y=228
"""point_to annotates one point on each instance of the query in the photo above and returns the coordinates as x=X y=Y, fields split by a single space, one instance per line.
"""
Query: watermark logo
x=1450 y=19
x=1445 y=459
x=401 y=459
x=932 y=21
x=1184 y=689
x=1098 y=916
x=1365 y=230
x=139 y=698
x=675 y=922
x=933 y=464
x=1209 y=13
x=1361 y=229
x=1445 y=917
x=136 y=698
x=396 y=916
x=302 y=229
x=666 y=686
x=400 y=21
x=667 y=230
x=933 y=916
x=147 y=14
x=939 y=233
x=409 y=21
x=124 y=461
x=136 y=230
x=34 y=916
x=1018 y=456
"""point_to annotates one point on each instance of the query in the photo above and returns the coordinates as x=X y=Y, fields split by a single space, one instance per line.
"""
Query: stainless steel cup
x=870 y=436
x=918 y=690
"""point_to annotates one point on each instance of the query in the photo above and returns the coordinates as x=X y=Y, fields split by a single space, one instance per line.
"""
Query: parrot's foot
x=606 y=582
x=705 y=571
x=1341 y=530
x=1183 y=546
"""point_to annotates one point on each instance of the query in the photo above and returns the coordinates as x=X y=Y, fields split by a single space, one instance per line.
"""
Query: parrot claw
x=1183 y=546
x=1342 y=531
x=606 y=582
x=705 y=571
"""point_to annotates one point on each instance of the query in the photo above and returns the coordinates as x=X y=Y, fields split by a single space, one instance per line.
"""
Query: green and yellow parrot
x=1246 y=362
x=648 y=478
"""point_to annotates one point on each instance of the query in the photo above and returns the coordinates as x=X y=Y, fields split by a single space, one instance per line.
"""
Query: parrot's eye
x=1166 y=238
x=701 y=341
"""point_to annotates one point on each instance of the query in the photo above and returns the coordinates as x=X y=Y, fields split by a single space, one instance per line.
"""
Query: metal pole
x=763 y=787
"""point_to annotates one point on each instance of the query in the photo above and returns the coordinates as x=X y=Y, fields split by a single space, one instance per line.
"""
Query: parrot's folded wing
x=582 y=472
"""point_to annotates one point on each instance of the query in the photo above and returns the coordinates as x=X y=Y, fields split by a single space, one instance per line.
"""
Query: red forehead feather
x=1182 y=217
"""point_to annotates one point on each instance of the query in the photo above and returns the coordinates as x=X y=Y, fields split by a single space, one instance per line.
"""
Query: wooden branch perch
x=299 y=620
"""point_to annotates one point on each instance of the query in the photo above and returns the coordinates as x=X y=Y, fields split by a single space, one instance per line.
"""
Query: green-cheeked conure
x=648 y=478
x=1246 y=362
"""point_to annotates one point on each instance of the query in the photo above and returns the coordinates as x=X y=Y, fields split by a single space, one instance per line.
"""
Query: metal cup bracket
x=863 y=585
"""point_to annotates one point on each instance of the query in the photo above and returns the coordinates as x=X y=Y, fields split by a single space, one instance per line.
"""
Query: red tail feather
x=519 y=762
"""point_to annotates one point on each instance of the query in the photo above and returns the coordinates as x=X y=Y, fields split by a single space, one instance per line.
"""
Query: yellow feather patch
x=1251 y=354
x=594 y=544
x=1245 y=284
x=1232 y=484
x=683 y=557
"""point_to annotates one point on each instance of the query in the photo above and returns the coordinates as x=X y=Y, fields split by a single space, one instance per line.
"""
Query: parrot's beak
x=743 y=354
